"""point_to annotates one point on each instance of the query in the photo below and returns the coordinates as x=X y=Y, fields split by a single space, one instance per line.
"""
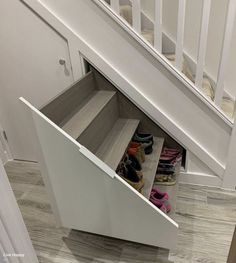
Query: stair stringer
x=88 y=196
x=148 y=80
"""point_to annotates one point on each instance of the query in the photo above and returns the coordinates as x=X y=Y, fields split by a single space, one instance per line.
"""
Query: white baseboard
x=200 y=179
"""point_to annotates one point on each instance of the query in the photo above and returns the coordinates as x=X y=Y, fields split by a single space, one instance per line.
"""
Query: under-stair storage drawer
x=94 y=154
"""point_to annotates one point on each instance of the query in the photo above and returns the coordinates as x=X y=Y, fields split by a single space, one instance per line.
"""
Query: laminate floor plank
x=206 y=216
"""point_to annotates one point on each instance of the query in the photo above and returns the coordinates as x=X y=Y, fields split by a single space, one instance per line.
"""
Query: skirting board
x=200 y=179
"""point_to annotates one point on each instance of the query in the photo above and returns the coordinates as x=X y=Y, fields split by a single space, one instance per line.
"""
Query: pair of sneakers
x=166 y=171
x=135 y=149
x=127 y=170
x=170 y=156
x=160 y=200
x=146 y=140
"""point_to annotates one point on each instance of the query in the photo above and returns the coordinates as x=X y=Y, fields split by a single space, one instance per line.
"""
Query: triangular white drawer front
x=87 y=195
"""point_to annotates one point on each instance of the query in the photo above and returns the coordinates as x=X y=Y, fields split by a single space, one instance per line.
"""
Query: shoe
x=170 y=151
x=168 y=159
x=143 y=137
x=128 y=173
x=164 y=179
x=156 y=194
x=158 y=198
x=159 y=205
x=133 y=161
x=137 y=150
x=147 y=146
x=167 y=171
x=170 y=155
x=146 y=139
x=166 y=165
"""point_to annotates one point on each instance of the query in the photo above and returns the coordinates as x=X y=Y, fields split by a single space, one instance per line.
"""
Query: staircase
x=84 y=132
x=131 y=11
x=147 y=76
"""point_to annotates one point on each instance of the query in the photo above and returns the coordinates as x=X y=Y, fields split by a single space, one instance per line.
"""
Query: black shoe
x=128 y=172
x=147 y=146
x=142 y=137
x=134 y=162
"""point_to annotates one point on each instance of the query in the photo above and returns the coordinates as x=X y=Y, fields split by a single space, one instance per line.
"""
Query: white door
x=30 y=51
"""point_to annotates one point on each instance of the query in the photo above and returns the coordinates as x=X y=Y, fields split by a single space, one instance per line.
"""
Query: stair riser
x=65 y=104
x=129 y=111
x=94 y=135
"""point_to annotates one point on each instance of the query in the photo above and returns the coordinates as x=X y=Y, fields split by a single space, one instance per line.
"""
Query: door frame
x=5 y=153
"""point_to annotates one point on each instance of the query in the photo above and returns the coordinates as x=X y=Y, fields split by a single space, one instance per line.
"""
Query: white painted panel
x=180 y=34
x=89 y=199
x=158 y=25
x=200 y=179
x=14 y=237
x=230 y=175
x=115 y=5
x=206 y=8
x=146 y=82
x=195 y=165
x=136 y=15
x=229 y=26
x=30 y=51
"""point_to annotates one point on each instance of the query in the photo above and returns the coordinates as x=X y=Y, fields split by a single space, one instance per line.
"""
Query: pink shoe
x=160 y=200
x=170 y=151
x=159 y=205
x=156 y=194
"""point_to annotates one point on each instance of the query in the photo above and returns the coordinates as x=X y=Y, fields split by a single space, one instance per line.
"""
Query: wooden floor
x=206 y=217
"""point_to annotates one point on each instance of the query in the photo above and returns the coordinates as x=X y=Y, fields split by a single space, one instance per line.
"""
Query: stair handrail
x=179 y=49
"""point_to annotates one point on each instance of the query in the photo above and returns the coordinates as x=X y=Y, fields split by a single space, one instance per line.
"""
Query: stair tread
x=81 y=120
x=149 y=167
x=148 y=32
x=148 y=35
x=113 y=148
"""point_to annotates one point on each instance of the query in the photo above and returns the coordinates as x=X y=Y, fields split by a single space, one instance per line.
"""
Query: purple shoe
x=160 y=200
x=158 y=195
x=170 y=151
x=159 y=205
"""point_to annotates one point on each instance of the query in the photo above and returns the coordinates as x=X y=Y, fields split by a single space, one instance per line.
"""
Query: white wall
x=93 y=37
x=192 y=29
x=29 y=52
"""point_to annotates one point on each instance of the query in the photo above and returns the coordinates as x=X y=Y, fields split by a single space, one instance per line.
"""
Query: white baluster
x=158 y=25
x=229 y=26
x=136 y=15
x=206 y=8
x=180 y=34
x=115 y=5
